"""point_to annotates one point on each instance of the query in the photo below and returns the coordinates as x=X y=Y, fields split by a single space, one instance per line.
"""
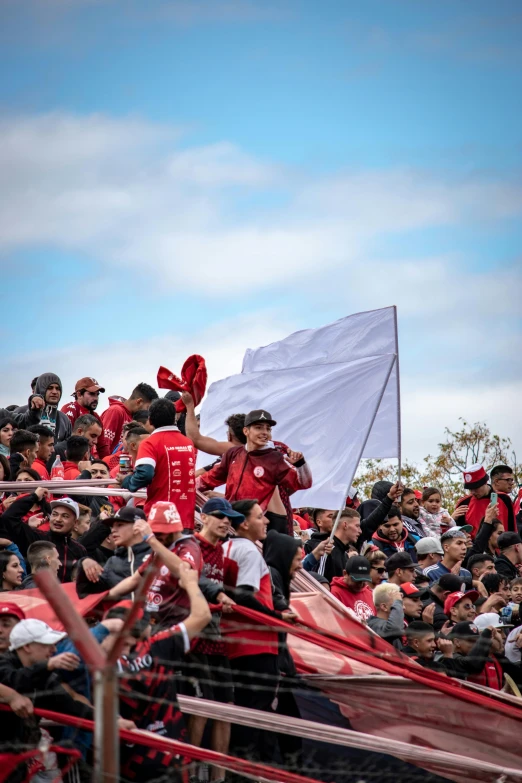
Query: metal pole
x=399 y=444
x=106 y=734
x=322 y=564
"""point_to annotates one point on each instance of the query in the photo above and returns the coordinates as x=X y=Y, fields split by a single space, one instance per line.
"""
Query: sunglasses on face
x=218 y=515
x=379 y=570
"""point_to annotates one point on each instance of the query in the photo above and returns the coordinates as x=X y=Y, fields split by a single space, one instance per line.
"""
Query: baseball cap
x=410 y=590
x=505 y=540
x=127 y=514
x=216 y=506
x=490 y=619
x=164 y=518
x=454 y=598
x=28 y=631
x=69 y=503
x=359 y=569
x=89 y=384
x=255 y=417
x=464 y=630
x=399 y=560
x=429 y=545
x=12 y=610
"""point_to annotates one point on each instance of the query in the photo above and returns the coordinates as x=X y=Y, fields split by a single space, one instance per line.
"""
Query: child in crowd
x=434 y=518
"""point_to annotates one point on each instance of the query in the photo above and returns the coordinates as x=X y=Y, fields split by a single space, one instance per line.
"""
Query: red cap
x=410 y=590
x=164 y=518
x=12 y=609
x=454 y=598
x=475 y=476
x=89 y=384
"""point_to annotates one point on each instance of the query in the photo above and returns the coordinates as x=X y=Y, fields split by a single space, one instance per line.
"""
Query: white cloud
x=128 y=192
x=134 y=195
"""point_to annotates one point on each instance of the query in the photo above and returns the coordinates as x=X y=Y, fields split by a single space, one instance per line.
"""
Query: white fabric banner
x=325 y=387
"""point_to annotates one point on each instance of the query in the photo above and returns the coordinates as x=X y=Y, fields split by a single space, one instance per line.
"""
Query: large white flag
x=332 y=391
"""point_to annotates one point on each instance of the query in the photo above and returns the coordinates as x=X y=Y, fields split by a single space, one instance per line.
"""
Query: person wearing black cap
x=422 y=646
x=400 y=568
x=471 y=651
x=256 y=470
x=131 y=551
x=510 y=545
x=411 y=601
x=353 y=587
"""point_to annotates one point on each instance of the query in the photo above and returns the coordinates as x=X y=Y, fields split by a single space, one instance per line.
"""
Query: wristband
x=147 y=538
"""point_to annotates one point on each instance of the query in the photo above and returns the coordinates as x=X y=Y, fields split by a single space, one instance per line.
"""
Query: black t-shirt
x=148 y=696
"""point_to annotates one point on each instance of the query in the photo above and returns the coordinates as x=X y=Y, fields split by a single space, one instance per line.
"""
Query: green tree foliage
x=471 y=444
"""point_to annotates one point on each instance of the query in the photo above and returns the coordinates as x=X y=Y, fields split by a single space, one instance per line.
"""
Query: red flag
x=193 y=379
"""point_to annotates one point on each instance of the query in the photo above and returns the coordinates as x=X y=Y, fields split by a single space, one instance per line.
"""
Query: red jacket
x=361 y=602
x=477 y=511
x=255 y=474
x=73 y=410
x=113 y=420
x=41 y=468
x=70 y=470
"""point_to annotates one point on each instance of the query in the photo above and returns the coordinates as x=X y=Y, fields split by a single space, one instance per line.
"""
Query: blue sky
x=213 y=174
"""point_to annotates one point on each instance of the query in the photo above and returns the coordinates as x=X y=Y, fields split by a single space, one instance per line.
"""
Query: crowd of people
x=442 y=588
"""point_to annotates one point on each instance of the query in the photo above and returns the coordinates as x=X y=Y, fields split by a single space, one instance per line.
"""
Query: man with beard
x=86 y=426
x=49 y=388
x=392 y=536
x=86 y=397
x=410 y=511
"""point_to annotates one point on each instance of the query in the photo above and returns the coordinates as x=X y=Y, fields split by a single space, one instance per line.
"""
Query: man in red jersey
x=120 y=411
x=166 y=465
x=86 y=397
x=256 y=470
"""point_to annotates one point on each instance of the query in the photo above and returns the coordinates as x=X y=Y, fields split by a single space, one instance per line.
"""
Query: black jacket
x=279 y=550
x=17 y=531
x=379 y=491
x=460 y=666
x=505 y=567
x=336 y=561
x=42 y=687
x=22 y=418
x=124 y=562
x=480 y=544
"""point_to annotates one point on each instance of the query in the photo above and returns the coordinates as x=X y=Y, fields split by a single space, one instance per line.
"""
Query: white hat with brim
x=29 y=631
x=490 y=620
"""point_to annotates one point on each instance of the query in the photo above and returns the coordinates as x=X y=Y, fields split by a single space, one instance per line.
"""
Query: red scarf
x=193 y=379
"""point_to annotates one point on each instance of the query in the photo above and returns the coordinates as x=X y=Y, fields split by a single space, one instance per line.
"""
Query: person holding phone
x=472 y=508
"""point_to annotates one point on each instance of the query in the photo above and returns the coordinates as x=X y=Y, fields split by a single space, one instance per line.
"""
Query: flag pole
x=338 y=518
x=399 y=445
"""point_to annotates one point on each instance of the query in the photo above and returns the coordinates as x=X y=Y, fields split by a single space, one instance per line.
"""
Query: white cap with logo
x=69 y=503
x=28 y=631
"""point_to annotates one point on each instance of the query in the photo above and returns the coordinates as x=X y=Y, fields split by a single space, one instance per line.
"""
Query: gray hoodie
x=50 y=416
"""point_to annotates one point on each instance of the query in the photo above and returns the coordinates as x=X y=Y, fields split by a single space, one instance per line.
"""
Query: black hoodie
x=62 y=428
x=379 y=491
x=278 y=551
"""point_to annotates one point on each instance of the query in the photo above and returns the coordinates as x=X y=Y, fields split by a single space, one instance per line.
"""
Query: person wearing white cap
x=429 y=551
x=63 y=517
x=30 y=667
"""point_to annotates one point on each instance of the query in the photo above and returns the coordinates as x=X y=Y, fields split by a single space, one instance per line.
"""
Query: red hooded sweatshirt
x=255 y=474
x=73 y=410
x=113 y=420
x=361 y=602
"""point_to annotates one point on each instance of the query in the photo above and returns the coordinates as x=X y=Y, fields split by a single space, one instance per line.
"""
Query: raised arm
x=201 y=442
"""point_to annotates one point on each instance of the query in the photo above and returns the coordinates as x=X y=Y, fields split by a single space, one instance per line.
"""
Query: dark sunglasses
x=218 y=515
x=379 y=570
